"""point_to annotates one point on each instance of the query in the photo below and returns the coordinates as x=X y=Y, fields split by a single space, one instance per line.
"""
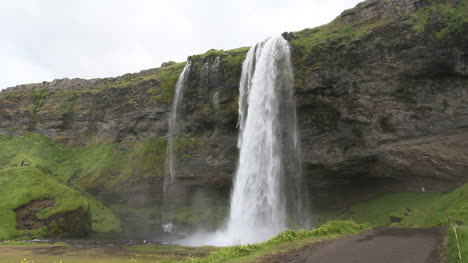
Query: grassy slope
x=52 y=163
x=377 y=212
x=452 y=247
x=414 y=210
x=22 y=185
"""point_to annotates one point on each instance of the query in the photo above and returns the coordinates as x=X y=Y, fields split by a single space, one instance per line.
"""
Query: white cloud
x=47 y=39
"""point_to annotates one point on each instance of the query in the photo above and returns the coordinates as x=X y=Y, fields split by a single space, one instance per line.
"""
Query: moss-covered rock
x=36 y=205
x=59 y=164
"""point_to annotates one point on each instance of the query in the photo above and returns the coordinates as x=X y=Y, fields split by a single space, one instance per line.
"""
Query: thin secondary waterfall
x=170 y=169
x=268 y=138
x=173 y=124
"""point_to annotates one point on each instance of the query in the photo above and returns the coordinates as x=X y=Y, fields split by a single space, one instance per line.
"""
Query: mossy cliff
x=382 y=107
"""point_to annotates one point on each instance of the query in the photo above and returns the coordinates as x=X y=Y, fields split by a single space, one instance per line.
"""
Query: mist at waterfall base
x=267 y=194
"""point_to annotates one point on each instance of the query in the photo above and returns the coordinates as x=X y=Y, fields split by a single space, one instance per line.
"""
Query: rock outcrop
x=76 y=223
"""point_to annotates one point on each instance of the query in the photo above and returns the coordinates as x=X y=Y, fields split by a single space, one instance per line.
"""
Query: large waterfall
x=267 y=188
x=267 y=139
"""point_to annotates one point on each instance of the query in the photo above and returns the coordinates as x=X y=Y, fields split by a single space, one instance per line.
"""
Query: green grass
x=317 y=48
x=103 y=217
x=456 y=202
x=60 y=164
x=181 y=251
x=161 y=81
x=453 y=18
x=167 y=77
x=284 y=241
x=10 y=243
x=452 y=247
x=414 y=210
x=377 y=212
x=23 y=185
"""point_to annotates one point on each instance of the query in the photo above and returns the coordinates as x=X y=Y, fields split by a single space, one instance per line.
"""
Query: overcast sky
x=41 y=40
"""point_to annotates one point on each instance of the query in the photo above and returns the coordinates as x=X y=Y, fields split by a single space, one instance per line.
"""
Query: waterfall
x=268 y=193
x=173 y=125
x=268 y=143
x=170 y=168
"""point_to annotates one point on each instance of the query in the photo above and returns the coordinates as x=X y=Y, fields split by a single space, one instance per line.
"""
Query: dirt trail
x=382 y=245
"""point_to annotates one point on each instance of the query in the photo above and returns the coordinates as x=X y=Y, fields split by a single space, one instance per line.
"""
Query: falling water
x=173 y=127
x=267 y=189
x=167 y=225
x=259 y=198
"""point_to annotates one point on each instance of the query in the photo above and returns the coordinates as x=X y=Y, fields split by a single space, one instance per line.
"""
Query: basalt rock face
x=382 y=96
x=388 y=110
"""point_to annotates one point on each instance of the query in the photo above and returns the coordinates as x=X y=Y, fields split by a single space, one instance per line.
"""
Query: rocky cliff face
x=386 y=107
x=382 y=96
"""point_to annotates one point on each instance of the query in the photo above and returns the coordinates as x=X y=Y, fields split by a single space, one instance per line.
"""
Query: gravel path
x=379 y=245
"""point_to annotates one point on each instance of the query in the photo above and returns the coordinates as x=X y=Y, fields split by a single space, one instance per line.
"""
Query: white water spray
x=258 y=201
x=269 y=149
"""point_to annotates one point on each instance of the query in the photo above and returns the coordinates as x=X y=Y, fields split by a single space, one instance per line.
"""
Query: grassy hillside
x=23 y=185
x=52 y=166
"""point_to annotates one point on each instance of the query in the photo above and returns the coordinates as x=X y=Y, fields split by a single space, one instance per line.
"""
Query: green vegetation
x=316 y=48
x=161 y=82
x=23 y=185
x=105 y=165
x=410 y=209
x=333 y=34
x=104 y=219
x=286 y=240
x=451 y=18
x=58 y=164
x=167 y=77
x=10 y=243
x=434 y=214
x=229 y=71
x=231 y=63
x=377 y=212
x=92 y=164
x=452 y=247
x=39 y=99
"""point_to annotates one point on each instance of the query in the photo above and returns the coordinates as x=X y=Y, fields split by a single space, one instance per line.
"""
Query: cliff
x=382 y=96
